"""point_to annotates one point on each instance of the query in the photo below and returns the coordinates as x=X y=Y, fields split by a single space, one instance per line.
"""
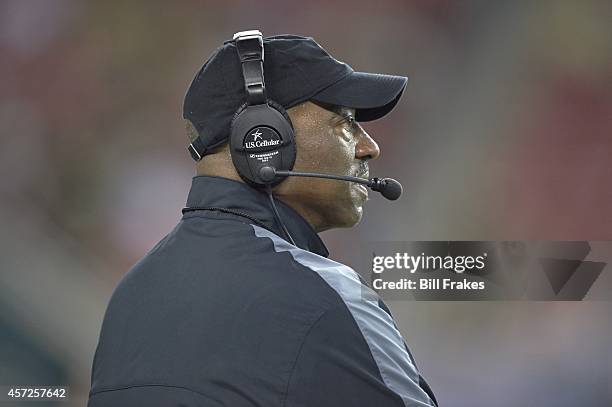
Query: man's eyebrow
x=339 y=110
x=342 y=111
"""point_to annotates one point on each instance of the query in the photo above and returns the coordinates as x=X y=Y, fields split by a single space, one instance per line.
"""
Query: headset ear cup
x=248 y=158
x=235 y=116
x=291 y=136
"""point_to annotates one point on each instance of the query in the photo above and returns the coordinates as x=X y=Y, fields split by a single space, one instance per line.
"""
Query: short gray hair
x=192 y=132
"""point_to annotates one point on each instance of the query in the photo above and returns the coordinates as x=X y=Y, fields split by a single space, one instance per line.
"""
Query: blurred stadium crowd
x=504 y=132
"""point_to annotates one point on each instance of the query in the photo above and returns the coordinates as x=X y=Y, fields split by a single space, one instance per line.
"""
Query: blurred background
x=504 y=132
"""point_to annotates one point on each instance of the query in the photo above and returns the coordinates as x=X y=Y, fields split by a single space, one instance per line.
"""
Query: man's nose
x=366 y=148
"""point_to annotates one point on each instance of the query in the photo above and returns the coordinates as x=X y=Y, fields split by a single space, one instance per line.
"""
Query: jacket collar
x=217 y=192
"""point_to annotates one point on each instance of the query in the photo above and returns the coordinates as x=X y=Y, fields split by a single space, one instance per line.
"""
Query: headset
x=261 y=132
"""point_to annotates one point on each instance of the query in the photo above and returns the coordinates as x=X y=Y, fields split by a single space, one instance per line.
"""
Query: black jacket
x=225 y=312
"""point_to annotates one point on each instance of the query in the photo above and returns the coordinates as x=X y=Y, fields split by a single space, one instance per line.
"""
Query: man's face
x=328 y=140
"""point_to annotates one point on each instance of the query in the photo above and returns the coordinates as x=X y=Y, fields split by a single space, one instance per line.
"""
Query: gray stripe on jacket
x=384 y=340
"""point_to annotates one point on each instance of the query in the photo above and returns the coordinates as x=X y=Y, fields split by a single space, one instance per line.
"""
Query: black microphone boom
x=388 y=187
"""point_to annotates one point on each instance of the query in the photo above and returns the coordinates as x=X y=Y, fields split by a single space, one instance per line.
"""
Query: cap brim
x=371 y=95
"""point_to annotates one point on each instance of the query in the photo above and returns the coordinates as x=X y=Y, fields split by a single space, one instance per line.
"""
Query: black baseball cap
x=296 y=69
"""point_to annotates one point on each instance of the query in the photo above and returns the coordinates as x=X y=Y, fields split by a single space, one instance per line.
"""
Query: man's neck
x=313 y=217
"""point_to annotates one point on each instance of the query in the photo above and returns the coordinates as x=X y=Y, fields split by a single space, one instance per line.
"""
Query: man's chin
x=350 y=217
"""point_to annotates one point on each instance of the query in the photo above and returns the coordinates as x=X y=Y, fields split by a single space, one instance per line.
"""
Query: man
x=225 y=310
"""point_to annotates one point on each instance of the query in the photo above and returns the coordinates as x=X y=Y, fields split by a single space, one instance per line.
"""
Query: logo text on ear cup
x=261 y=137
x=261 y=143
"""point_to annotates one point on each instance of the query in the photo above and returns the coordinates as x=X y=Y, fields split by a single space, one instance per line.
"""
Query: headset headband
x=249 y=45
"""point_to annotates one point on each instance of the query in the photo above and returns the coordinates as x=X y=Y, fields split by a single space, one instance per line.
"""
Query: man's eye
x=350 y=121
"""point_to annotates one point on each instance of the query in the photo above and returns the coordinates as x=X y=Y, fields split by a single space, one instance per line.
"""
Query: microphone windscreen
x=391 y=189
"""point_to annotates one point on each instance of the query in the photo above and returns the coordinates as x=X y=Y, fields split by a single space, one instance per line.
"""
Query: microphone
x=388 y=187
